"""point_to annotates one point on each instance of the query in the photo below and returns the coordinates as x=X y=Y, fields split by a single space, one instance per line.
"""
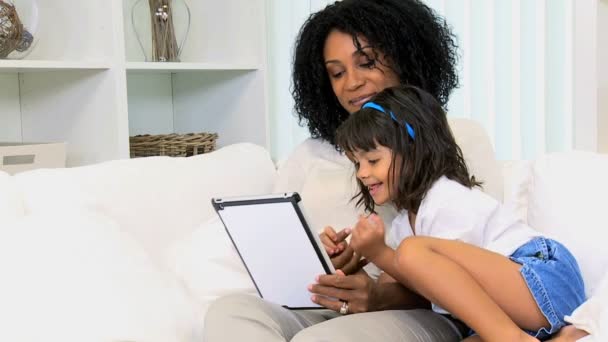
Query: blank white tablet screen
x=276 y=250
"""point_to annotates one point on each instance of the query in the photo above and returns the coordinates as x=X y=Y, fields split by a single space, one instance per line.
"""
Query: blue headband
x=410 y=130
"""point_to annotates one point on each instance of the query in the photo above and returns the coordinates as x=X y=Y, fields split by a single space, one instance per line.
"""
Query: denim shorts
x=554 y=279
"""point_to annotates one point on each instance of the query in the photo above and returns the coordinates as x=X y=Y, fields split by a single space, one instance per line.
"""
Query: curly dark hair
x=417 y=42
x=431 y=153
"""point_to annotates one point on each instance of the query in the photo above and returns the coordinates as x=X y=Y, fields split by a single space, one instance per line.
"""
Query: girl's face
x=355 y=76
x=374 y=170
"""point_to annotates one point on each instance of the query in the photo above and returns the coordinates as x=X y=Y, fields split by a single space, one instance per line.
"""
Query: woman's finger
x=346 y=254
x=338 y=281
x=330 y=292
x=329 y=303
x=352 y=265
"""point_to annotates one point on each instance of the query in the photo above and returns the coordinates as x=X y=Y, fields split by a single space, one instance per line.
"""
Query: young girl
x=451 y=243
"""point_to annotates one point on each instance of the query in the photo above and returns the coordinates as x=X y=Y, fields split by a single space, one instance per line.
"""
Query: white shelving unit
x=87 y=83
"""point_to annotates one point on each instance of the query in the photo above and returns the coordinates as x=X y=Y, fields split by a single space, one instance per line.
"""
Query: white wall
x=602 y=57
x=585 y=80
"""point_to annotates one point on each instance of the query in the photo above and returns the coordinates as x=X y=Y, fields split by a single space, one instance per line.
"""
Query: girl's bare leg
x=475 y=338
x=568 y=334
x=482 y=288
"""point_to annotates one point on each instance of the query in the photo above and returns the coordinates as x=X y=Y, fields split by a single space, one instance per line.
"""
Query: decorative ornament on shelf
x=18 y=24
x=161 y=27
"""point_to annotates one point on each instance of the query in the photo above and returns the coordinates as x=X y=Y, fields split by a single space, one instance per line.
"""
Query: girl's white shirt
x=452 y=211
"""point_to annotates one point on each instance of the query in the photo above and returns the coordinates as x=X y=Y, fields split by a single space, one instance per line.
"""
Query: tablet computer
x=280 y=252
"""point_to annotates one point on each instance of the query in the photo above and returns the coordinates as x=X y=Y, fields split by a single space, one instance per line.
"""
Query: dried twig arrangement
x=164 y=43
x=13 y=35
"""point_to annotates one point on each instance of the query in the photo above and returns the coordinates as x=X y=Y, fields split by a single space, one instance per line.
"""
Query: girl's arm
x=385 y=260
x=368 y=240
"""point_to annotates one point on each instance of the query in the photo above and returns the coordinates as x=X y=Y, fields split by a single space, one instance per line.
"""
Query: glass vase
x=18 y=25
x=161 y=27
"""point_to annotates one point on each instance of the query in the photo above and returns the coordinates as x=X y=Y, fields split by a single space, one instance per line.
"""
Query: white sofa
x=131 y=250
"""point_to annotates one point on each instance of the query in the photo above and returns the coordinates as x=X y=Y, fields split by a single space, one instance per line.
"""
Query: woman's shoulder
x=314 y=149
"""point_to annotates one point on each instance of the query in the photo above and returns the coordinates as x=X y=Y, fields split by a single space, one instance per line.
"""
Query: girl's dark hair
x=419 y=161
x=417 y=43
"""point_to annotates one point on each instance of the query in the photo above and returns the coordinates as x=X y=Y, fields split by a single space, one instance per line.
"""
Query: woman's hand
x=363 y=294
x=332 y=290
x=368 y=236
x=341 y=254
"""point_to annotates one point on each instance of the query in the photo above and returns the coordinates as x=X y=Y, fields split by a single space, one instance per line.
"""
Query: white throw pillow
x=208 y=265
x=158 y=199
x=568 y=202
x=517 y=176
x=11 y=203
x=79 y=278
x=592 y=316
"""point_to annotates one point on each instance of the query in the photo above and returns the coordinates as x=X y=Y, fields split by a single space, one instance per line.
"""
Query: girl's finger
x=330 y=232
x=327 y=242
x=342 y=235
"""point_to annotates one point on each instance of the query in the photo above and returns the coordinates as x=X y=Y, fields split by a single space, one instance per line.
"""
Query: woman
x=345 y=54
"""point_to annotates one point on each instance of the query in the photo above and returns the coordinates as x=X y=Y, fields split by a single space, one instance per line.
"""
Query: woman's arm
x=391 y=295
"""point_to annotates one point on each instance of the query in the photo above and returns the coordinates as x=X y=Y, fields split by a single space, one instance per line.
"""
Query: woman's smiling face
x=355 y=75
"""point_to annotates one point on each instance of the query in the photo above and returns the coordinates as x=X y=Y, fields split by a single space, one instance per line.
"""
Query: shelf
x=86 y=81
x=186 y=67
x=40 y=65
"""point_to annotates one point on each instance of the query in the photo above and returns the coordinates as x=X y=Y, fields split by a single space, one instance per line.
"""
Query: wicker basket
x=173 y=145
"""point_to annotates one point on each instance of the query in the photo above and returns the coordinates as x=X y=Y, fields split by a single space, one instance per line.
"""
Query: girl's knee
x=409 y=251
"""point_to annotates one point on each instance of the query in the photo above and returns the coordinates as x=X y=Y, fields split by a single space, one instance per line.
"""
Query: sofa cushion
x=208 y=265
x=157 y=199
x=568 y=202
x=517 y=175
x=478 y=153
x=80 y=278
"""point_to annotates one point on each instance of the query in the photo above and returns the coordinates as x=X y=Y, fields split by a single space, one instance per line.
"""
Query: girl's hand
x=341 y=254
x=368 y=236
x=332 y=290
x=333 y=242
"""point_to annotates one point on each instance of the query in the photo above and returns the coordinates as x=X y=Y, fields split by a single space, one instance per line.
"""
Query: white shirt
x=452 y=211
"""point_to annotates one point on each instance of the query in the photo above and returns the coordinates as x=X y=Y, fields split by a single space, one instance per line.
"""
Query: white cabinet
x=86 y=81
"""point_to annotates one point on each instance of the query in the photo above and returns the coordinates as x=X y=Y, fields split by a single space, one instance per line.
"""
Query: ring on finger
x=344 y=308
